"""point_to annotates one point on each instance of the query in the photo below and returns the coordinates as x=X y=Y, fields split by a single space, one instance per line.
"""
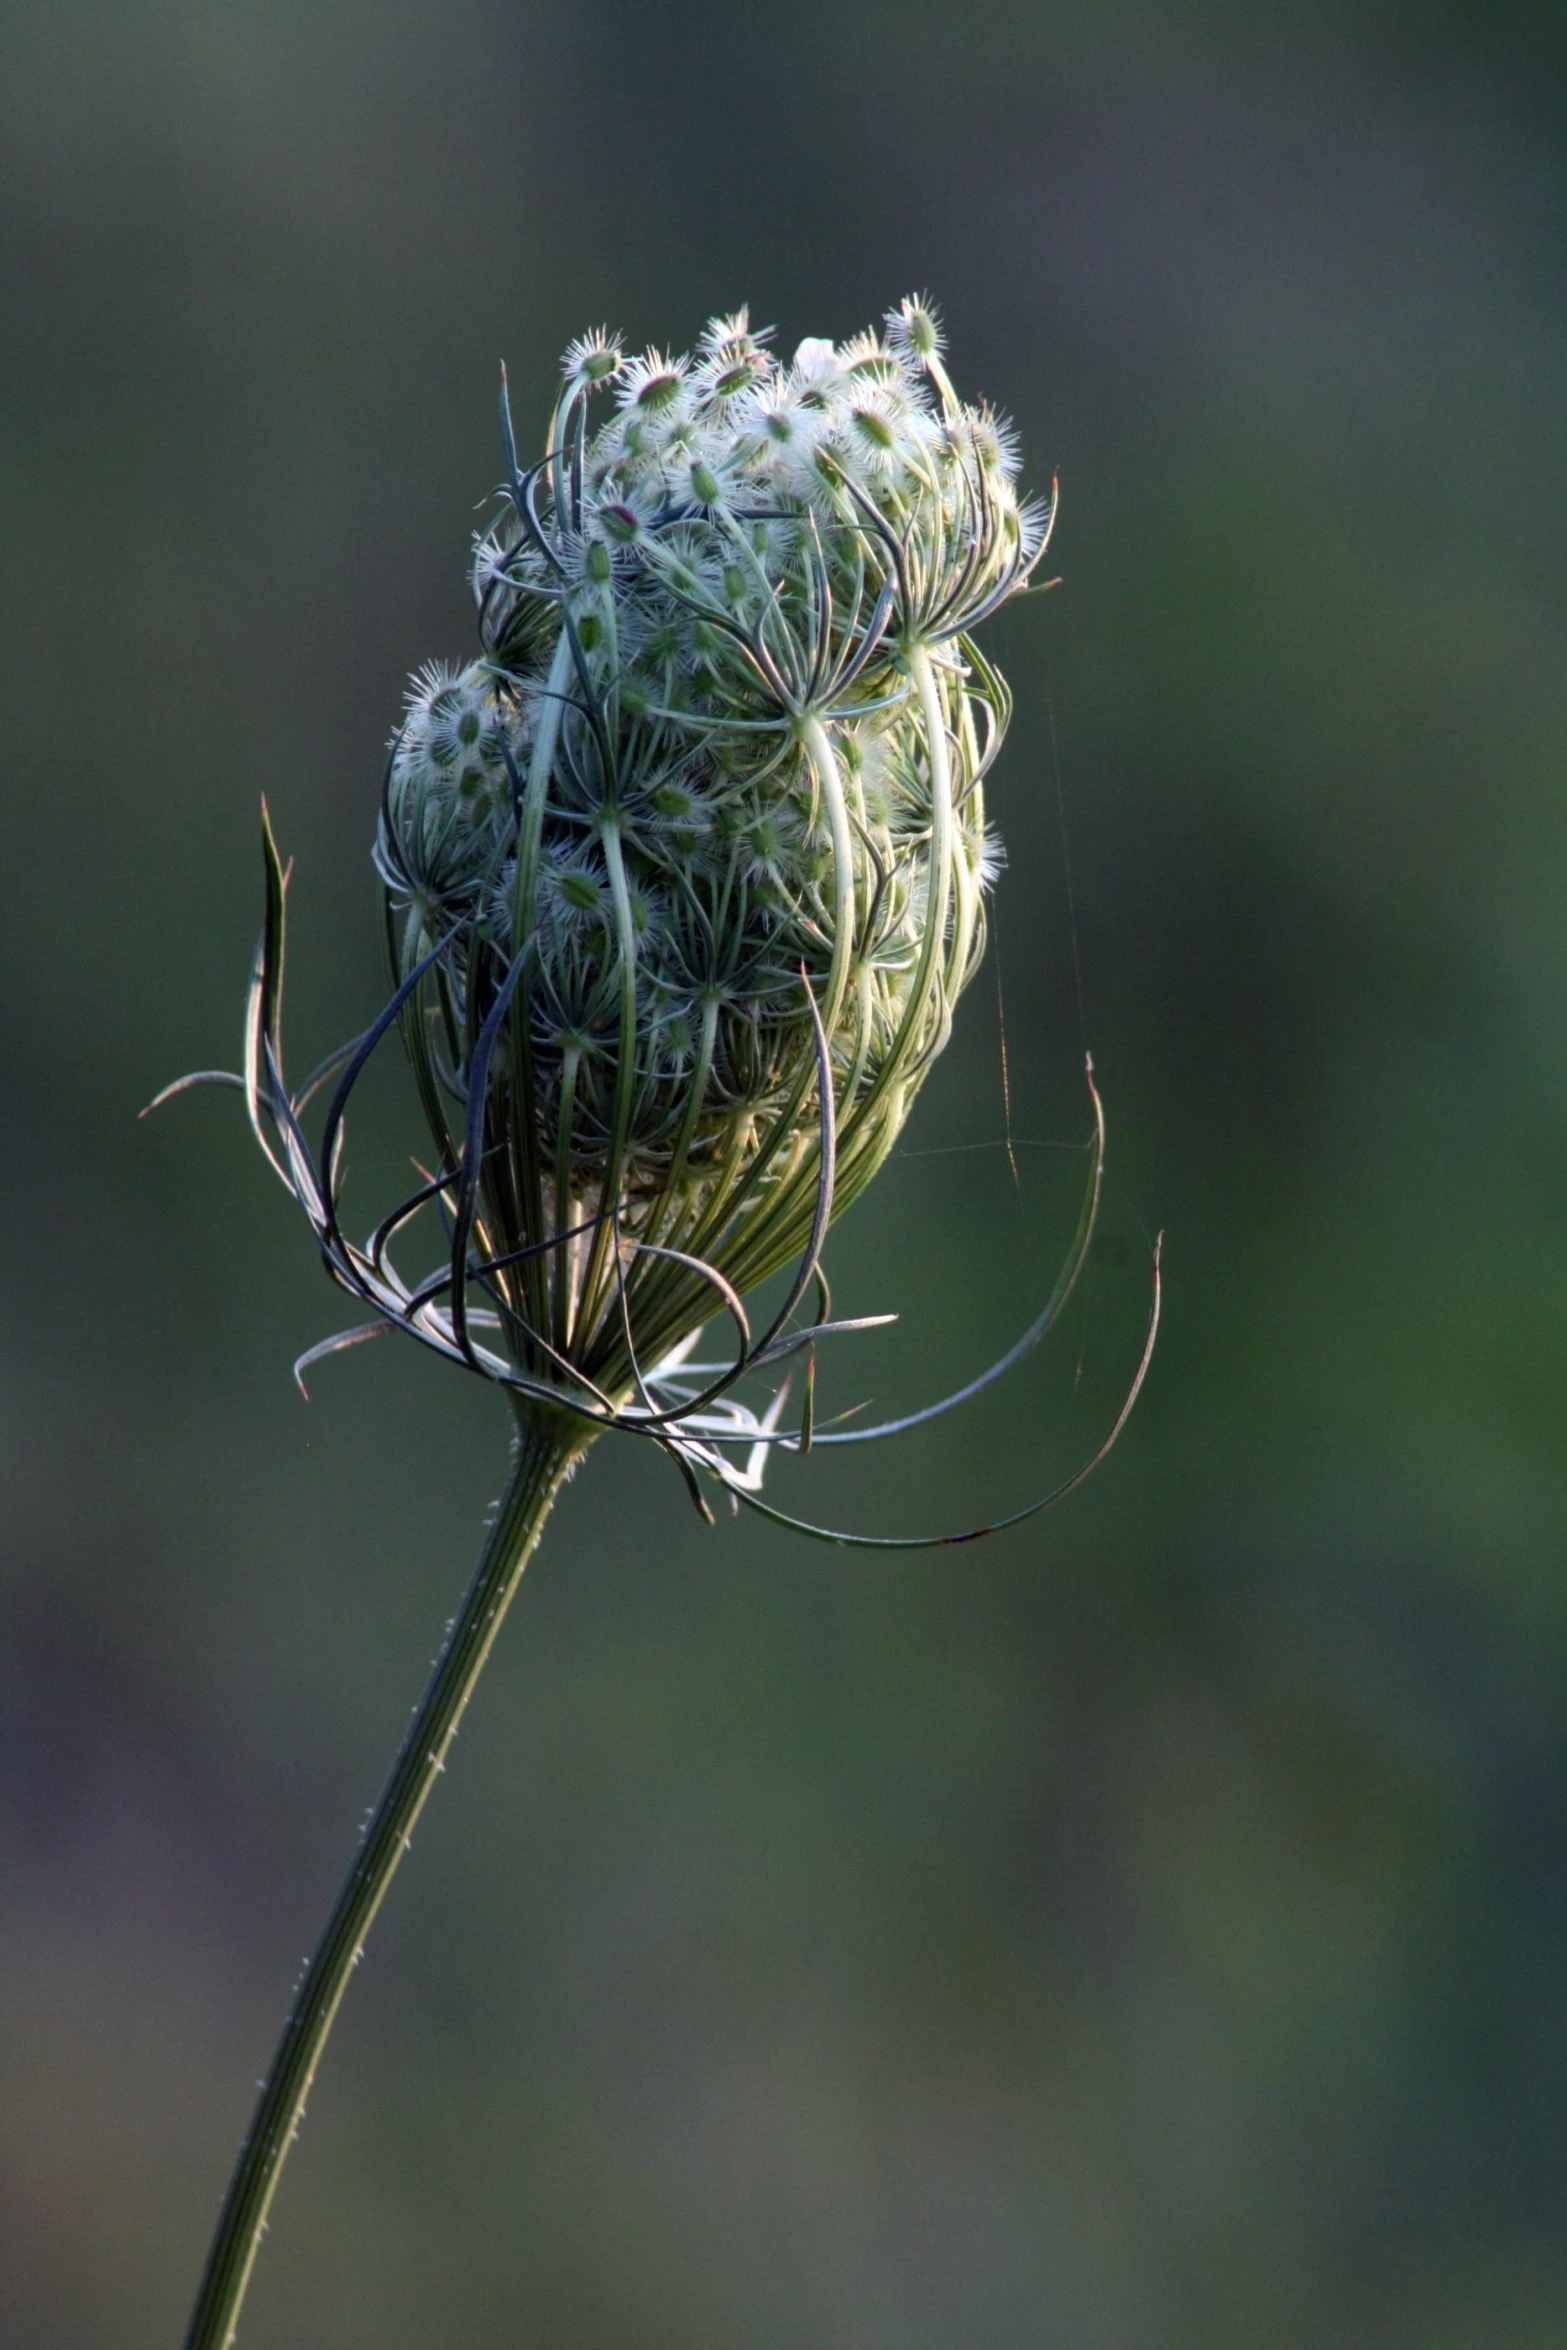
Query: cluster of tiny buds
x=684 y=875
x=730 y=429
x=878 y=409
x=703 y=619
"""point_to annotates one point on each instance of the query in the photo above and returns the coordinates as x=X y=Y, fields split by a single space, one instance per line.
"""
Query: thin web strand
x=1066 y=860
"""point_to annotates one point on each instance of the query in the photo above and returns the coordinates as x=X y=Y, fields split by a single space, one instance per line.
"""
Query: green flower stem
x=546 y=1453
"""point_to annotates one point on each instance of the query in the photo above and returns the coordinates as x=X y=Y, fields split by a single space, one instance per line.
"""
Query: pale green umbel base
x=546 y=1453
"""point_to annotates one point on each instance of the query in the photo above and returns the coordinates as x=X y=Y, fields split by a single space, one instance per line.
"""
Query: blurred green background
x=1143 y=1932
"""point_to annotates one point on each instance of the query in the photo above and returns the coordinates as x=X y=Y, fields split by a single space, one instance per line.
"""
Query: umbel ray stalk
x=681 y=879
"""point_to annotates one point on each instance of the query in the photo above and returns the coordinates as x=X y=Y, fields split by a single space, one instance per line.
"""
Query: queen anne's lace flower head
x=684 y=873
x=699 y=841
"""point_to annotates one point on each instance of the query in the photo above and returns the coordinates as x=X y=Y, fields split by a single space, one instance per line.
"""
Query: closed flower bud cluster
x=706 y=820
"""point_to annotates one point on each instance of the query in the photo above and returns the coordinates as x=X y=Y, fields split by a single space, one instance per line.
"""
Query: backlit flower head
x=685 y=873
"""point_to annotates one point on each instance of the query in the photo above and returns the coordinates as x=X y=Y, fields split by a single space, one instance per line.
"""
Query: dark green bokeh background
x=1145 y=1932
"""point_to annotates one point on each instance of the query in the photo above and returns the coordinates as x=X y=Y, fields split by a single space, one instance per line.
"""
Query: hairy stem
x=546 y=1453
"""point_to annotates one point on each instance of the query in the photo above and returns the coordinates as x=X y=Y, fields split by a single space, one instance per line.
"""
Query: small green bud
x=592 y=359
x=678 y=1037
x=666 y=638
x=674 y=801
x=914 y=331
x=704 y=485
x=598 y=563
x=447 y=809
